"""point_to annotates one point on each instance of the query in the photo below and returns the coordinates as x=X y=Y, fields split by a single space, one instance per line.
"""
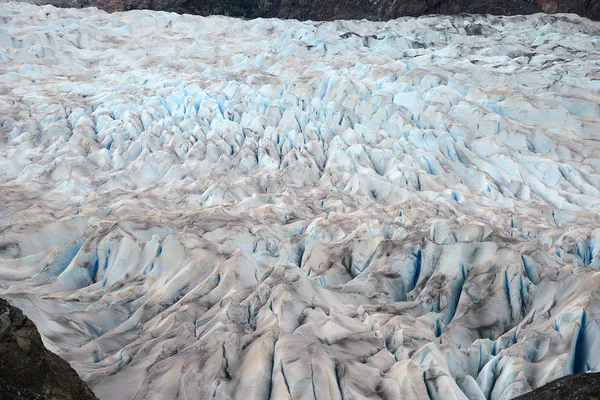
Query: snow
x=210 y=207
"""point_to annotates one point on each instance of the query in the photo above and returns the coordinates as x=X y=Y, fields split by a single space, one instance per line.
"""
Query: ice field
x=195 y=208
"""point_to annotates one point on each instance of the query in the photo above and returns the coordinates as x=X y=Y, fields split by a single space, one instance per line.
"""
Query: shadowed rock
x=28 y=371
x=572 y=387
x=340 y=9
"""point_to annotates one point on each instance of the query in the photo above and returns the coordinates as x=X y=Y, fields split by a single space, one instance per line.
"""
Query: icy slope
x=209 y=207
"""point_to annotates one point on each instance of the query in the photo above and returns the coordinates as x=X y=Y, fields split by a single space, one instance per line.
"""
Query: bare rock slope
x=572 y=387
x=319 y=10
x=28 y=371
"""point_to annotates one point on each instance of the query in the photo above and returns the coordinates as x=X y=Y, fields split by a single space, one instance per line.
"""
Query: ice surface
x=210 y=207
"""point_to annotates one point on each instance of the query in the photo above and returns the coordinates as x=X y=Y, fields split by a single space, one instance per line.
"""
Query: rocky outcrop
x=572 y=387
x=354 y=9
x=28 y=371
x=319 y=10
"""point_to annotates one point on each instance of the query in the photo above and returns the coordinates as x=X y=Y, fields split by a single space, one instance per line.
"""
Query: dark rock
x=28 y=371
x=318 y=10
x=350 y=9
x=572 y=387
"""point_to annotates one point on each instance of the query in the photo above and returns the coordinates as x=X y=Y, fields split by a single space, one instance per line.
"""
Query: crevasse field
x=198 y=208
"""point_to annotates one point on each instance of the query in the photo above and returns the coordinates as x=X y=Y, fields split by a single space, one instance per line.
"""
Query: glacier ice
x=210 y=207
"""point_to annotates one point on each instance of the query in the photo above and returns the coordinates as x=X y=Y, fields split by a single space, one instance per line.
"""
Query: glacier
x=208 y=207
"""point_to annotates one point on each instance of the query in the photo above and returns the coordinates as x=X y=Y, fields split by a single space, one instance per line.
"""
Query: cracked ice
x=217 y=208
